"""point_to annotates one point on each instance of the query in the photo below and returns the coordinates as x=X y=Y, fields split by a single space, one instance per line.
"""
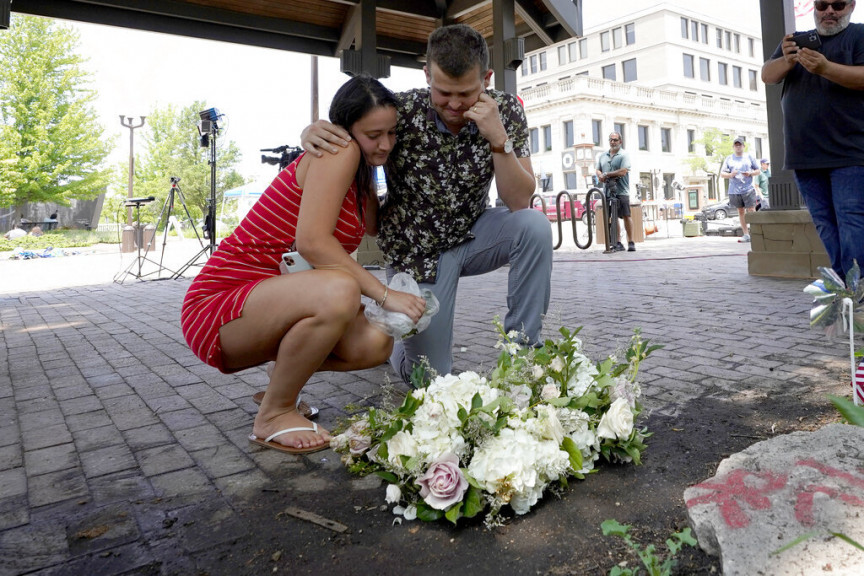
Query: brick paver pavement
x=120 y=452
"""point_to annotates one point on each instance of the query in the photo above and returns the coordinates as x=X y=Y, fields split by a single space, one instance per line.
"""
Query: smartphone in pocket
x=807 y=40
x=293 y=262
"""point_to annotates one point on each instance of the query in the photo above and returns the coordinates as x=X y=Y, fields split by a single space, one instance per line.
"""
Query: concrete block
x=780 y=264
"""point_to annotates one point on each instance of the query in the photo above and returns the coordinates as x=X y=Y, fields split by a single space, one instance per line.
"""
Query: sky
x=264 y=94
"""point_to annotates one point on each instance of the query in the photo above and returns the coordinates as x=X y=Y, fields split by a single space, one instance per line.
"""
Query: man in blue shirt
x=823 y=126
x=614 y=167
x=740 y=168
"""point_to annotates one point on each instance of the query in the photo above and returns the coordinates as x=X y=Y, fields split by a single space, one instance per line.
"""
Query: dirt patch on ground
x=560 y=535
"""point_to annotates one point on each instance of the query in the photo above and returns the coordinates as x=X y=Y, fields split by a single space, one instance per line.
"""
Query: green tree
x=717 y=147
x=173 y=148
x=51 y=147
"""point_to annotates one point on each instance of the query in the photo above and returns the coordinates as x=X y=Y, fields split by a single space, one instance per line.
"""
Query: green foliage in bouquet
x=469 y=444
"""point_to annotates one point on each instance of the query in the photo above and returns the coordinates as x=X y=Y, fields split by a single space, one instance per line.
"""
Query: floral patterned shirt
x=438 y=183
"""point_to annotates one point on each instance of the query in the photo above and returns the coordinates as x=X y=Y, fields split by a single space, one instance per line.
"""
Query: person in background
x=613 y=167
x=15 y=233
x=240 y=311
x=453 y=138
x=762 y=183
x=823 y=127
x=740 y=168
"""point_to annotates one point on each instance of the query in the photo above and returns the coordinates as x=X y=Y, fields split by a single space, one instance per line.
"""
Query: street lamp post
x=129 y=124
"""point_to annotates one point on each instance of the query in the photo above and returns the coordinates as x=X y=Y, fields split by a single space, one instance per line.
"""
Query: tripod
x=167 y=208
x=140 y=237
x=208 y=130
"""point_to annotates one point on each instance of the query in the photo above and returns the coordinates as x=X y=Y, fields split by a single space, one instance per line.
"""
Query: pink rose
x=443 y=484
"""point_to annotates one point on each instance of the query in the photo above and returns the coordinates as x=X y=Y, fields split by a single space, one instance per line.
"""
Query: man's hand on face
x=322 y=135
x=484 y=113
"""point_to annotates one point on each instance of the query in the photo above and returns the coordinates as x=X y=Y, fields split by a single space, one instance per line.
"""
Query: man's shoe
x=619 y=247
x=744 y=238
x=631 y=247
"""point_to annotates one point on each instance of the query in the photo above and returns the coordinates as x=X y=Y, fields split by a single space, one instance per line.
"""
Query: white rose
x=394 y=494
x=557 y=364
x=617 y=423
x=401 y=444
x=550 y=391
x=537 y=372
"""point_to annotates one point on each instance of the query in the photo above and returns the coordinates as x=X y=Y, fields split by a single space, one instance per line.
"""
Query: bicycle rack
x=589 y=216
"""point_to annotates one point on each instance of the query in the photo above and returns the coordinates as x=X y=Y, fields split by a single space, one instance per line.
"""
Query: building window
x=685 y=27
x=619 y=128
x=547 y=138
x=751 y=47
x=666 y=139
x=597 y=132
x=569 y=139
x=736 y=76
x=533 y=61
x=609 y=72
x=542 y=60
x=524 y=69
x=643 y=137
x=722 y=73
x=705 y=69
x=629 y=67
x=752 y=74
x=737 y=38
x=757 y=147
x=691 y=141
x=728 y=40
x=719 y=38
x=604 y=41
x=704 y=29
x=571 y=180
x=617 y=38
x=562 y=55
x=694 y=30
x=630 y=34
x=688 y=66
x=535 y=140
x=573 y=51
x=583 y=47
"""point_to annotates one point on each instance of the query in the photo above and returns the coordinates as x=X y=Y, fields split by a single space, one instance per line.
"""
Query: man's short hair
x=457 y=49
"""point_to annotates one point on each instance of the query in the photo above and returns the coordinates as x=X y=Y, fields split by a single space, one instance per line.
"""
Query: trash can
x=127 y=242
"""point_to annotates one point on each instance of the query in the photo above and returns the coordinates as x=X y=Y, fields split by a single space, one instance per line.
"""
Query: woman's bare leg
x=305 y=322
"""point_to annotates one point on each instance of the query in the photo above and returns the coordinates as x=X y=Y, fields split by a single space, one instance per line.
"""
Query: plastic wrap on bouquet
x=397 y=324
x=828 y=293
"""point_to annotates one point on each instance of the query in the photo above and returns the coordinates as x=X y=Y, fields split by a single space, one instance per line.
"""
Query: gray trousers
x=522 y=239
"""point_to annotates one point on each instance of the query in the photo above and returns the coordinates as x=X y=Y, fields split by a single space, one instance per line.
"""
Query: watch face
x=508 y=146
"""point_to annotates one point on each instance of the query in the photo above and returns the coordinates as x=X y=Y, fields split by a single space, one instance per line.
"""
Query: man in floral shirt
x=435 y=224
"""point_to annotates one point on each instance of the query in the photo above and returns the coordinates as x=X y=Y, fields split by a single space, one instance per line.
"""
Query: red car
x=551 y=211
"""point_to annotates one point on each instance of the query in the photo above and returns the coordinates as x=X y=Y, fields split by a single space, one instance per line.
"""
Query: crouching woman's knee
x=339 y=296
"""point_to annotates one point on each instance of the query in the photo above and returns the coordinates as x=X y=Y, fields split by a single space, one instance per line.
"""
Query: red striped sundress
x=251 y=254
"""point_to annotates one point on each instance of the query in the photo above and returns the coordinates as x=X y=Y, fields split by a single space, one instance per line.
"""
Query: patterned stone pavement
x=120 y=452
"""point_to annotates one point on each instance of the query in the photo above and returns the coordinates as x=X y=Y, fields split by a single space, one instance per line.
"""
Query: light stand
x=208 y=129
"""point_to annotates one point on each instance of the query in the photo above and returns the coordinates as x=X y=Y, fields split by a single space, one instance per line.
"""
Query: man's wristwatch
x=507 y=148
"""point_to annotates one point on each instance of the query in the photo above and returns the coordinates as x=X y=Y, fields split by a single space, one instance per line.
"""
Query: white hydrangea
x=517 y=466
x=582 y=378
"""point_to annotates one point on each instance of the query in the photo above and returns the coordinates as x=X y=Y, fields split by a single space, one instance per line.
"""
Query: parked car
x=723 y=210
x=578 y=206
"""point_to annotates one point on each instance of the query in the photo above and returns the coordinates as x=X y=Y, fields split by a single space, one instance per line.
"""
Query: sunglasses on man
x=837 y=6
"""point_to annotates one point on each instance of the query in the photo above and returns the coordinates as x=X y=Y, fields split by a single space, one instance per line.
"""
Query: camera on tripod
x=175 y=179
x=287 y=154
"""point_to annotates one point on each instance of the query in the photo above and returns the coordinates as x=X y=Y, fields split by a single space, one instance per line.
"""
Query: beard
x=833 y=27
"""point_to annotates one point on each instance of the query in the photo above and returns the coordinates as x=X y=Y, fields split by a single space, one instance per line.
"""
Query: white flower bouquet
x=469 y=444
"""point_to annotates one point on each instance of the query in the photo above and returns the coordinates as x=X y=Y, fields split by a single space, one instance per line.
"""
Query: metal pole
x=132 y=128
x=314 y=88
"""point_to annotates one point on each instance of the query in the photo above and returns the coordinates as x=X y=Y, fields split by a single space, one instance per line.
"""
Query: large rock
x=778 y=490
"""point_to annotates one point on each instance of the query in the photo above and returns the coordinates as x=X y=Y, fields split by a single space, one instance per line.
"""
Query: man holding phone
x=823 y=111
x=452 y=138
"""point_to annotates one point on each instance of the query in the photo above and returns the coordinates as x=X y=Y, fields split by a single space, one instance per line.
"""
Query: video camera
x=287 y=154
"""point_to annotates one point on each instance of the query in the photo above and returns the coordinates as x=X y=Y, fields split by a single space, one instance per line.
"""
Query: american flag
x=858 y=384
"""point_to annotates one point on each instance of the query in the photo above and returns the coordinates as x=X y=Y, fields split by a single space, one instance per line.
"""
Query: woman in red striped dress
x=240 y=311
